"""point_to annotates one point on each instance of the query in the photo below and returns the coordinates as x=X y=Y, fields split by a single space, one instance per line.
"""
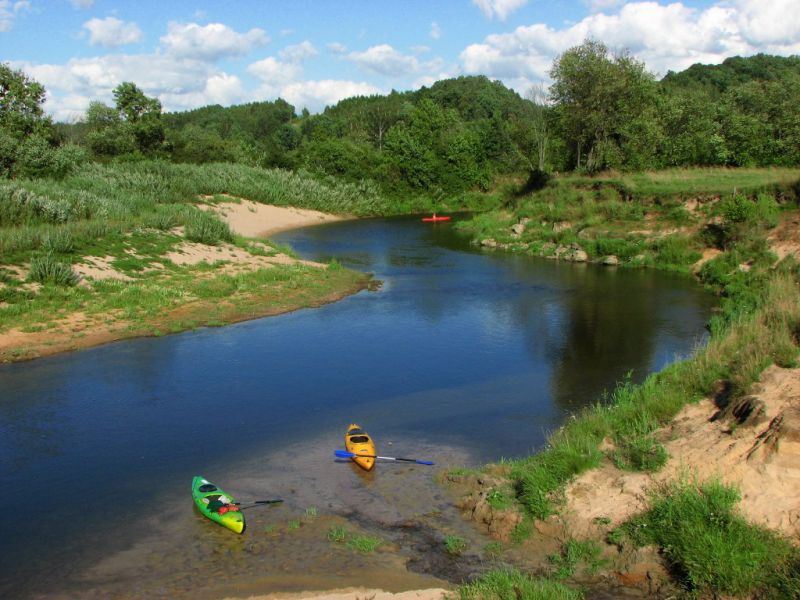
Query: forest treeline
x=603 y=111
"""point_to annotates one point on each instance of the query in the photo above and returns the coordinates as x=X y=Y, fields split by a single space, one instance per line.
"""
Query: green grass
x=337 y=534
x=363 y=543
x=511 y=584
x=576 y=553
x=499 y=499
x=640 y=453
x=358 y=543
x=634 y=216
x=710 y=547
x=692 y=182
x=493 y=550
x=455 y=545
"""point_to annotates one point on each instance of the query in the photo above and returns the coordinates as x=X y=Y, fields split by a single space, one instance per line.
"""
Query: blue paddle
x=345 y=454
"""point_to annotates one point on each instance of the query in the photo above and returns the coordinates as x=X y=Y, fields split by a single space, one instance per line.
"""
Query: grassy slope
x=133 y=215
x=759 y=325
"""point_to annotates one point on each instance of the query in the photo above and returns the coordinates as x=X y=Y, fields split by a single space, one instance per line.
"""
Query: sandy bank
x=253 y=219
x=87 y=328
x=753 y=443
x=357 y=594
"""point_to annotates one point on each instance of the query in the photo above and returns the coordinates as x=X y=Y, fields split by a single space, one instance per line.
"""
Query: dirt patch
x=708 y=254
x=98 y=268
x=753 y=444
x=784 y=240
x=238 y=259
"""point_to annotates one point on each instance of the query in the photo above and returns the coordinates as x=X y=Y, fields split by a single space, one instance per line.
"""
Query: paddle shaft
x=254 y=502
x=344 y=454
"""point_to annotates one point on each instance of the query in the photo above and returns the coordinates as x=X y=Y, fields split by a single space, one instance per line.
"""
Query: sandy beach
x=253 y=219
x=78 y=330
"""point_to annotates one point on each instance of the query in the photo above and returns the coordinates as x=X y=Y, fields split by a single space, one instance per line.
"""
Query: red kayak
x=435 y=219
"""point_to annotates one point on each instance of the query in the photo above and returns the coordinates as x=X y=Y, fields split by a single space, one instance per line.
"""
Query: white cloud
x=499 y=8
x=210 y=42
x=337 y=48
x=9 y=11
x=274 y=73
x=385 y=60
x=299 y=52
x=315 y=95
x=82 y=3
x=665 y=37
x=770 y=22
x=165 y=77
x=220 y=88
x=436 y=31
x=111 y=32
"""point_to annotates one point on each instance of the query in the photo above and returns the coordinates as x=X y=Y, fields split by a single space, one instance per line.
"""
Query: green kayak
x=218 y=506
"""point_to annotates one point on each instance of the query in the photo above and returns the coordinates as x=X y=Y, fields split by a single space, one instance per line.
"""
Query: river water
x=461 y=357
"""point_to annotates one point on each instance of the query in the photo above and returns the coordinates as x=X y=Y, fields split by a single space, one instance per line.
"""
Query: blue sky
x=314 y=53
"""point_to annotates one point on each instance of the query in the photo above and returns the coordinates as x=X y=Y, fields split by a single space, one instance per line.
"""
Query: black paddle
x=253 y=503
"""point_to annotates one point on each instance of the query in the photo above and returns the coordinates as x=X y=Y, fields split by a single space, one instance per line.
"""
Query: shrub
x=47 y=269
x=207 y=229
x=58 y=241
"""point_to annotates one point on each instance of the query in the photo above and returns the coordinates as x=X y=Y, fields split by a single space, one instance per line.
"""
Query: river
x=461 y=357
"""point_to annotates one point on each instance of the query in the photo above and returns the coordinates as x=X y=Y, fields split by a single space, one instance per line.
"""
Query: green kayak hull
x=208 y=498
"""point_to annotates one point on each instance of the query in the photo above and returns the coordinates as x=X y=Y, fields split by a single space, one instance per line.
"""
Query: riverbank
x=153 y=282
x=687 y=482
x=357 y=594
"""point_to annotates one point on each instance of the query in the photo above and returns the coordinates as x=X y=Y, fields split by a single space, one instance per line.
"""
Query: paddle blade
x=424 y=462
x=343 y=454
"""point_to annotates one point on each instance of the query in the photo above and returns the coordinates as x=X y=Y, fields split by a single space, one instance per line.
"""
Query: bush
x=207 y=229
x=58 y=241
x=48 y=269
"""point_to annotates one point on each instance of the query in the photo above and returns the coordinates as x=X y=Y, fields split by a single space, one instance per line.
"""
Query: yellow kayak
x=357 y=441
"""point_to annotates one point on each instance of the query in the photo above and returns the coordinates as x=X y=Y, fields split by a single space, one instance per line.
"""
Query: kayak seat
x=356 y=431
x=207 y=487
x=359 y=439
x=214 y=503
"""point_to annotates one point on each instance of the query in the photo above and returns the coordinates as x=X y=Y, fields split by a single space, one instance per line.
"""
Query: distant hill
x=735 y=71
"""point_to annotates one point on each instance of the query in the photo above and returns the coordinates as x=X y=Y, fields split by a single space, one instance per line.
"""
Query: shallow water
x=461 y=357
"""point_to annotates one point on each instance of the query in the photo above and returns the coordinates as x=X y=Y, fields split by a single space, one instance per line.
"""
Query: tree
x=28 y=142
x=535 y=129
x=142 y=115
x=132 y=103
x=107 y=135
x=21 y=99
x=602 y=103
